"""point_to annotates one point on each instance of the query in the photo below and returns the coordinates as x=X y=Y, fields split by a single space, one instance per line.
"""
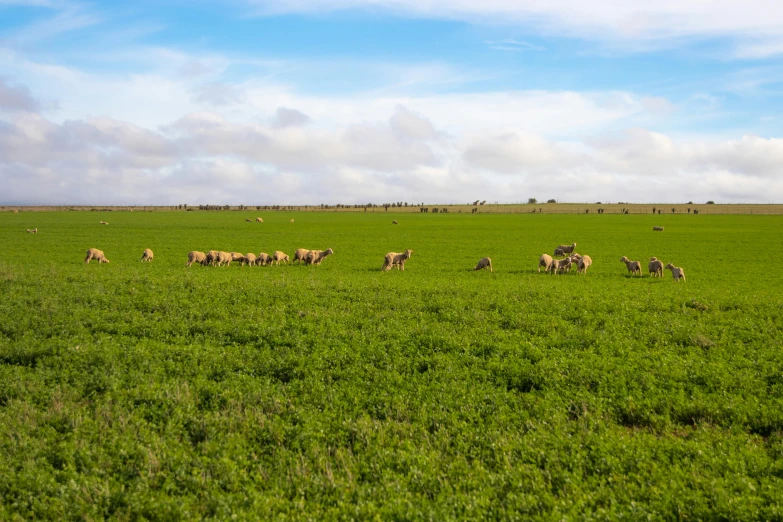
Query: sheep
x=248 y=220
x=104 y=223
x=655 y=267
x=292 y=220
x=196 y=257
x=263 y=259
x=561 y=265
x=634 y=267
x=677 y=272
x=236 y=256
x=32 y=230
x=211 y=259
x=558 y=252
x=484 y=262
x=567 y=248
x=582 y=264
x=300 y=255
x=146 y=255
x=250 y=259
x=395 y=259
x=259 y=220
x=316 y=256
x=94 y=253
x=279 y=256
x=394 y=222
x=657 y=229
x=546 y=261
x=224 y=258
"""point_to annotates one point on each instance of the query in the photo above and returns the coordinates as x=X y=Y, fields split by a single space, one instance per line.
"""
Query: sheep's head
x=329 y=251
x=653 y=258
x=669 y=265
x=624 y=259
x=409 y=252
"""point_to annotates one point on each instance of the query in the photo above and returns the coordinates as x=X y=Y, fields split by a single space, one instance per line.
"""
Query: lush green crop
x=135 y=390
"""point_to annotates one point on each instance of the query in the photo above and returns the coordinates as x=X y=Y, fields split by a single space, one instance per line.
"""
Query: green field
x=153 y=391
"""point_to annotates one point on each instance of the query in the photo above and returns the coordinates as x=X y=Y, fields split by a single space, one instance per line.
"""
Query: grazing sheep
x=484 y=262
x=582 y=264
x=655 y=267
x=316 y=256
x=677 y=272
x=32 y=230
x=279 y=256
x=300 y=255
x=292 y=220
x=634 y=267
x=196 y=257
x=146 y=255
x=104 y=223
x=558 y=252
x=567 y=248
x=395 y=259
x=248 y=221
x=657 y=229
x=546 y=261
x=394 y=222
x=224 y=258
x=236 y=256
x=561 y=265
x=263 y=259
x=94 y=253
x=259 y=220
x=212 y=258
x=250 y=259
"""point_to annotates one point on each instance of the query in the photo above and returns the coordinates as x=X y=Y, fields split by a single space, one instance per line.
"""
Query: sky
x=299 y=102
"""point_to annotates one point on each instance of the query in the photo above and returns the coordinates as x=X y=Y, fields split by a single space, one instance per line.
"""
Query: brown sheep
x=394 y=222
x=655 y=267
x=212 y=258
x=94 y=253
x=196 y=257
x=634 y=267
x=263 y=259
x=484 y=262
x=582 y=264
x=146 y=255
x=559 y=252
x=316 y=256
x=677 y=272
x=300 y=255
x=567 y=248
x=657 y=229
x=248 y=221
x=279 y=256
x=545 y=261
x=395 y=259
x=250 y=259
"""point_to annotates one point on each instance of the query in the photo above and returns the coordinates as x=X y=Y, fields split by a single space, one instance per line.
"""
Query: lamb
x=394 y=222
x=677 y=272
x=196 y=257
x=484 y=262
x=558 y=252
x=546 y=261
x=211 y=259
x=259 y=220
x=104 y=223
x=146 y=255
x=224 y=258
x=657 y=229
x=634 y=267
x=567 y=248
x=300 y=254
x=279 y=256
x=582 y=264
x=250 y=259
x=263 y=259
x=316 y=256
x=561 y=265
x=32 y=230
x=94 y=253
x=395 y=259
x=655 y=267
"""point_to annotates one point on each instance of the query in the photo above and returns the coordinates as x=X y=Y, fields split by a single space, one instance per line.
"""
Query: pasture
x=153 y=391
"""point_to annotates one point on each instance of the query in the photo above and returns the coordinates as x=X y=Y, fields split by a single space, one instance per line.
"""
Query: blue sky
x=348 y=101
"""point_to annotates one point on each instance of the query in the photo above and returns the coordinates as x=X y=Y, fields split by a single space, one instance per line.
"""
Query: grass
x=151 y=391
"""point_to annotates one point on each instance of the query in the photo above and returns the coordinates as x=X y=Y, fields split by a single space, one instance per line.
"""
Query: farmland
x=150 y=390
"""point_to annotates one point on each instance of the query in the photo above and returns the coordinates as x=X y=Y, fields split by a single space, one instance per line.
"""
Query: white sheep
x=146 y=255
x=300 y=255
x=196 y=257
x=561 y=265
x=32 y=230
x=94 y=253
x=104 y=223
x=567 y=249
x=655 y=266
x=212 y=258
x=224 y=258
x=250 y=259
x=634 y=267
x=394 y=259
x=484 y=262
x=279 y=256
x=583 y=263
x=263 y=259
x=236 y=256
x=314 y=257
x=292 y=220
x=657 y=229
x=677 y=272
x=546 y=261
x=259 y=220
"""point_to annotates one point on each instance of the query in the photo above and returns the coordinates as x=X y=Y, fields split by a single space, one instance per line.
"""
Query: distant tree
x=553 y=201
x=532 y=201
x=710 y=202
x=690 y=202
x=598 y=203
